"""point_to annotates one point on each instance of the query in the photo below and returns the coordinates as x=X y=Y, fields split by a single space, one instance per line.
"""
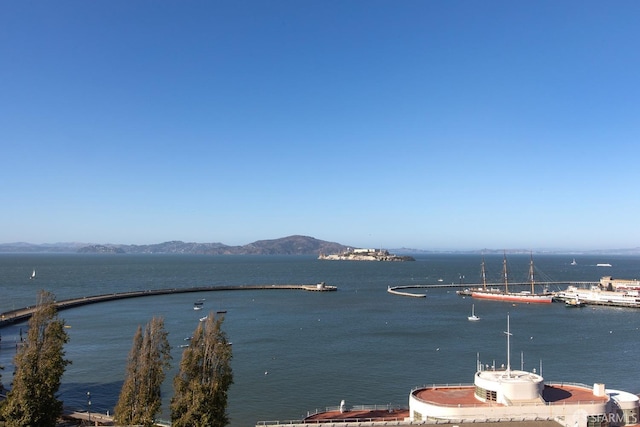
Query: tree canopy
x=39 y=366
x=140 y=397
x=201 y=386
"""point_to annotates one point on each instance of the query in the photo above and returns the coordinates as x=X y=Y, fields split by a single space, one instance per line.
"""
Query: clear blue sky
x=423 y=124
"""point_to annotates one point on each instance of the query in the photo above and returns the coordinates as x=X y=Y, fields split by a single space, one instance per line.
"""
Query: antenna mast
x=508 y=333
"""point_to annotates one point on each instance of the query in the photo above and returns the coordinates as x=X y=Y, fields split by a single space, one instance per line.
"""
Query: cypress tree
x=39 y=366
x=126 y=409
x=140 y=397
x=201 y=386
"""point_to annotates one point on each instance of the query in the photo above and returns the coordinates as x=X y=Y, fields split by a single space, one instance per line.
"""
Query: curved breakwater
x=25 y=313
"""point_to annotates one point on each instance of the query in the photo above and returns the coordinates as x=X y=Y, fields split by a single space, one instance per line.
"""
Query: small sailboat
x=473 y=316
x=574 y=262
x=33 y=274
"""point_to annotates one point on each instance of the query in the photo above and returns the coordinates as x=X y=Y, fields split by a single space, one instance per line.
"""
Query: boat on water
x=505 y=295
x=197 y=305
x=574 y=303
x=574 y=262
x=33 y=274
x=497 y=394
x=604 y=264
x=595 y=295
x=473 y=316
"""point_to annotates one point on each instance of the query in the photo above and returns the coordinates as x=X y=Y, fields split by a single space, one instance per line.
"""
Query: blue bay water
x=295 y=351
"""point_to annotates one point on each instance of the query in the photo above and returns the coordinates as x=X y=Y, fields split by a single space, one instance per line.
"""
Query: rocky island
x=365 y=255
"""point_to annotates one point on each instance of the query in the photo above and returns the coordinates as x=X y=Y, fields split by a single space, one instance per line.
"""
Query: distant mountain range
x=291 y=245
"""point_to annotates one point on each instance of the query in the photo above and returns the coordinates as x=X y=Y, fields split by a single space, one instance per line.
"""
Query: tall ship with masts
x=505 y=295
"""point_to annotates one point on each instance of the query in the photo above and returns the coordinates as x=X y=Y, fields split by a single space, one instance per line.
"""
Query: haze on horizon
x=427 y=125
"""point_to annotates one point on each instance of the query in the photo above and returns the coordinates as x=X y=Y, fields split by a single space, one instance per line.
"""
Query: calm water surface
x=296 y=351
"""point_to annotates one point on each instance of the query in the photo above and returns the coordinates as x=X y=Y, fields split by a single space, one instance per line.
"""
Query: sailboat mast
x=504 y=269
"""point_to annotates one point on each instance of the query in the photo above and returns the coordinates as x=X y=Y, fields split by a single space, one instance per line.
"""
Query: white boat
x=202 y=319
x=197 y=306
x=571 y=303
x=473 y=316
x=33 y=274
x=505 y=295
x=606 y=264
x=574 y=262
x=597 y=296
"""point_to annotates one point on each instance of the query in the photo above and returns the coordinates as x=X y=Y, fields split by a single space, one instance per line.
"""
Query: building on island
x=365 y=255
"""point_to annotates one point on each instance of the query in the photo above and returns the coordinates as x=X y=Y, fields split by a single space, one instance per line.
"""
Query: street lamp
x=89 y=405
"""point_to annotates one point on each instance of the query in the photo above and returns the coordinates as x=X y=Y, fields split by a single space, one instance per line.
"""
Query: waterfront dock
x=90 y=418
x=23 y=314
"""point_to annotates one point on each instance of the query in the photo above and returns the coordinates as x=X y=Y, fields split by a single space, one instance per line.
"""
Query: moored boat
x=504 y=295
x=597 y=296
x=523 y=297
x=574 y=303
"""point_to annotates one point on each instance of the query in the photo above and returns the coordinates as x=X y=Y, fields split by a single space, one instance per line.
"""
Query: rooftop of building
x=465 y=395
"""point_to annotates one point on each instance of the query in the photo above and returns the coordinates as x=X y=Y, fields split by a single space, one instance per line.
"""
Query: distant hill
x=292 y=245
x=22 y=247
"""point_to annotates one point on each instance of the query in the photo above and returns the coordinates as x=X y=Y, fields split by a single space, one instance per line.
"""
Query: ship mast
x=531 y=275
x=484 y=275
x=504 y=269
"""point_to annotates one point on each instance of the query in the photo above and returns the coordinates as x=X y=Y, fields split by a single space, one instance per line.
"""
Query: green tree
x=201 y=386
x=39 y=366
x=140 y=397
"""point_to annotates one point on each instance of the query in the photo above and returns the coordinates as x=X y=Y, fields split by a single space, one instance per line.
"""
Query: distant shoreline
x=291 y=245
